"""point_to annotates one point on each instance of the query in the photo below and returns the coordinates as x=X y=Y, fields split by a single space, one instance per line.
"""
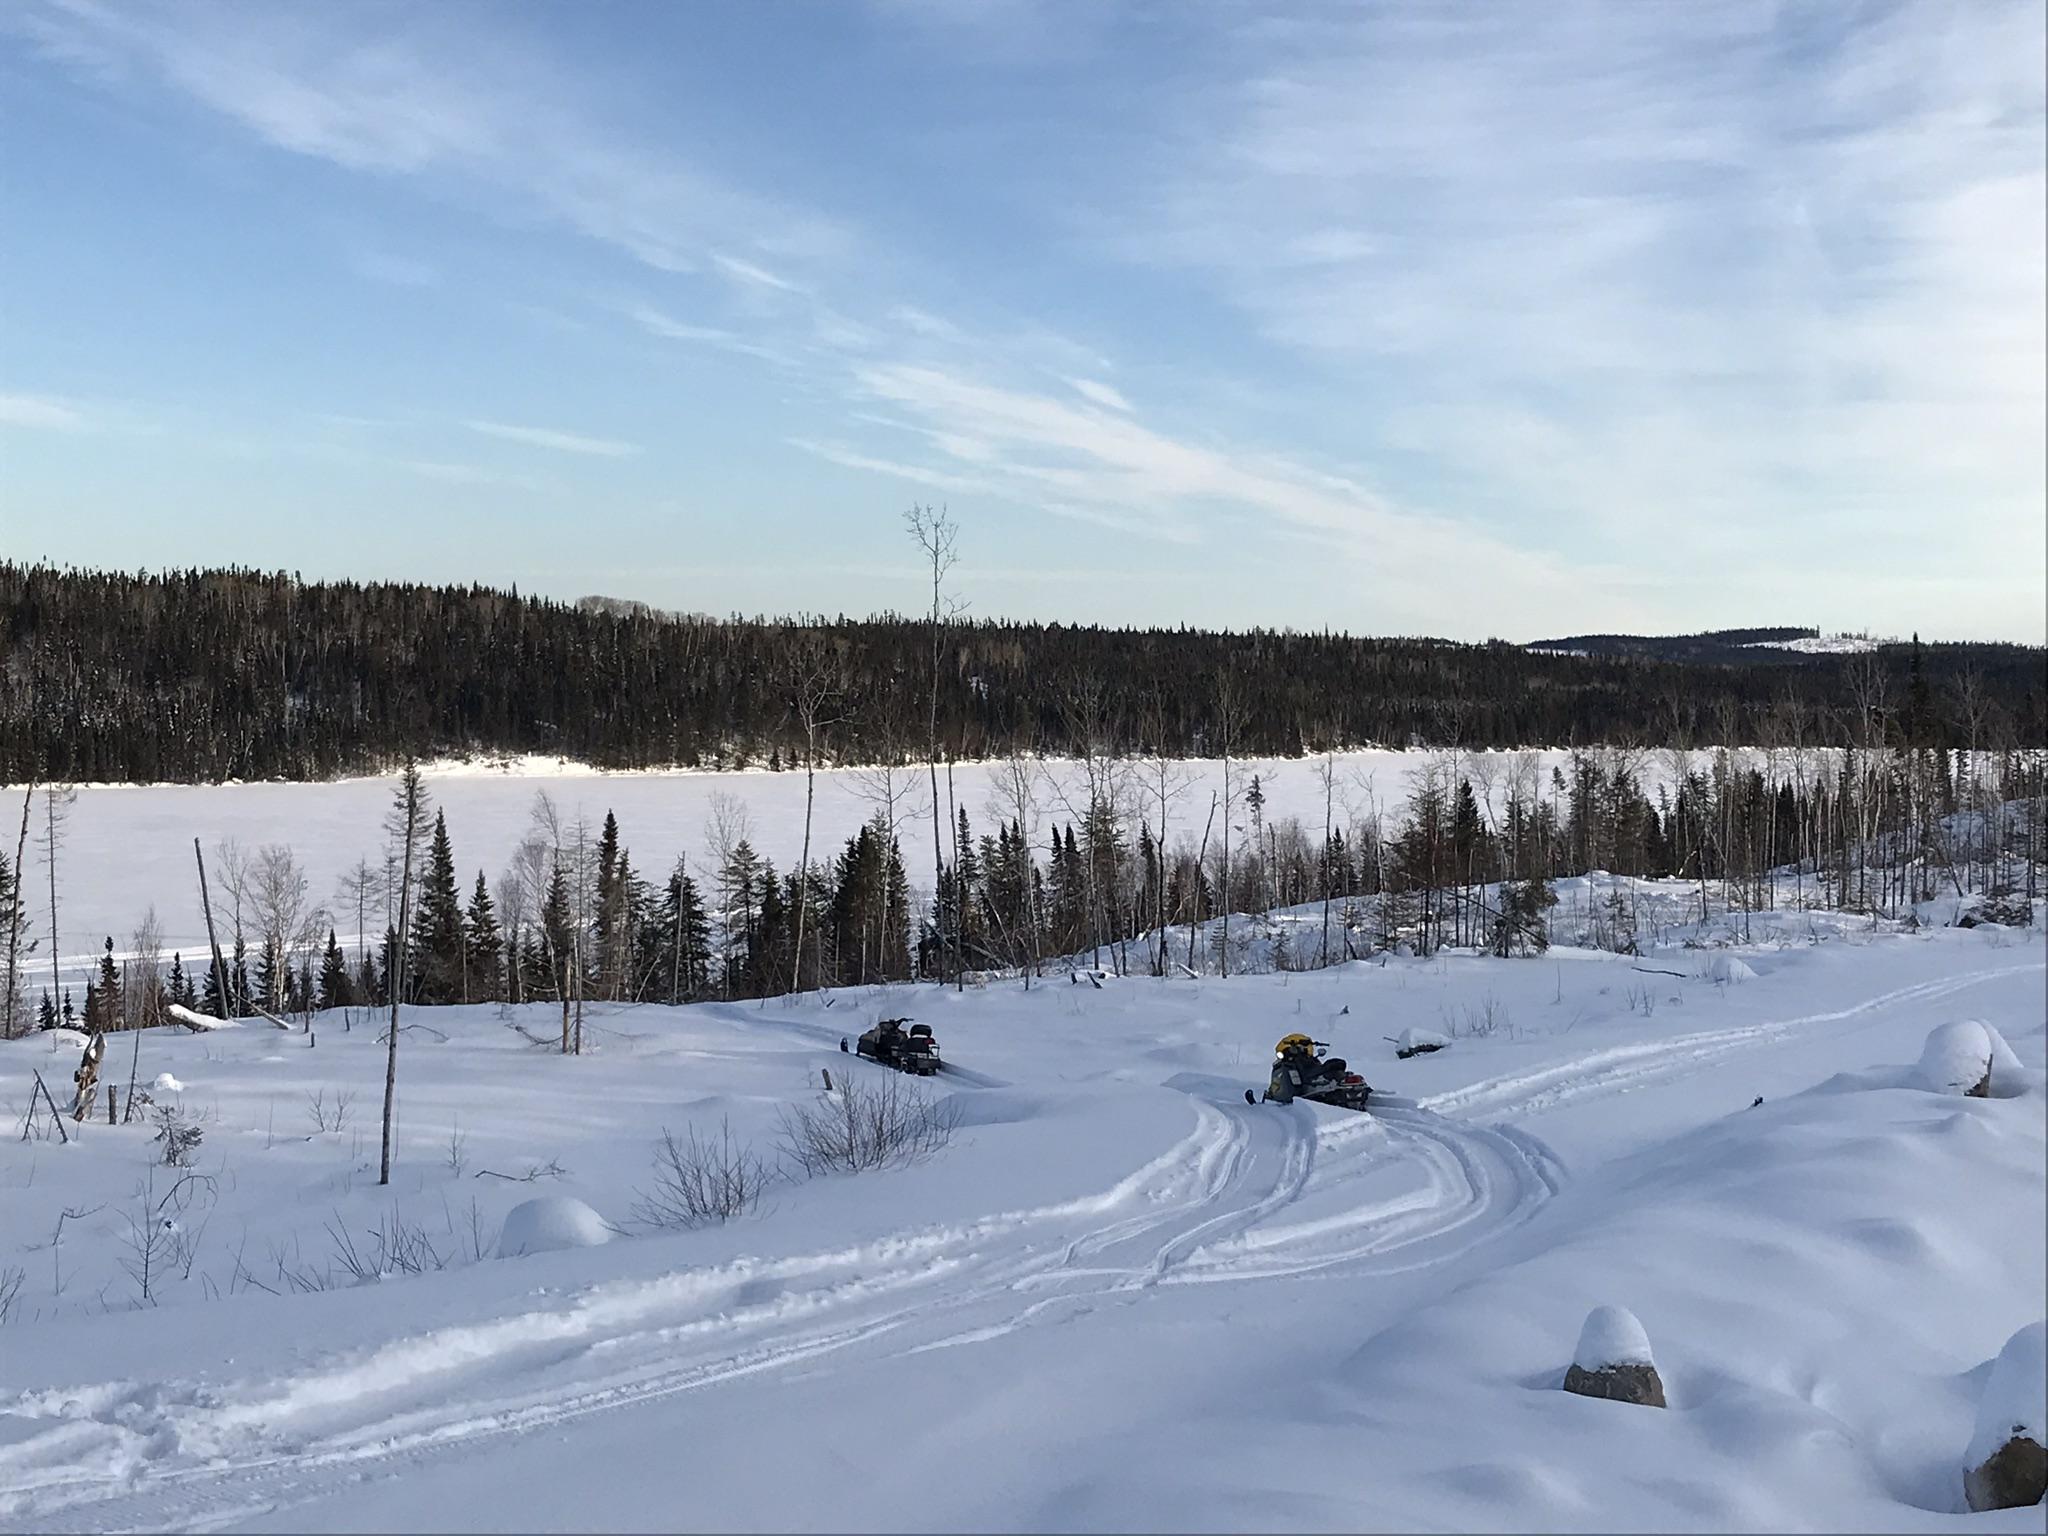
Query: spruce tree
x=70 y=1014
x=335 y=991
x=46 y=1015
x=486 y=945
x=110 y=991
x=435 y=955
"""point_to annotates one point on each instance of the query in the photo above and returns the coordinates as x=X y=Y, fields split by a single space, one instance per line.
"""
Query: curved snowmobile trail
x=1222 y=1204
x=1248 y=1193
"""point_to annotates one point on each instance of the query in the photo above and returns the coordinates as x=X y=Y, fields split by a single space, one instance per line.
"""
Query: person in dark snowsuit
x=1297 y=1070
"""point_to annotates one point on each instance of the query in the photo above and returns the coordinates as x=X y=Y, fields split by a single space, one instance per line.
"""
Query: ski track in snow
x=1624 y=1068
x=1221 y=1205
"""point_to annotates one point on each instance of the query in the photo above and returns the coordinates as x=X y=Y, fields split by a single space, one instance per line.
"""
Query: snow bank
x=550 y=1222
x=1612 y=1336
x=2015 y=1400
x=1957 y=1056
x=165 y=1083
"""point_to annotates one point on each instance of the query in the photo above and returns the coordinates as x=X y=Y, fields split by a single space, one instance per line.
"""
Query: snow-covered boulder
x=1419 y=1042
x=1613 y=1360
x=549 y=1222
x=1725 y=969
x=165 y=1083
x=2006 y=1466
x=1967 y=1057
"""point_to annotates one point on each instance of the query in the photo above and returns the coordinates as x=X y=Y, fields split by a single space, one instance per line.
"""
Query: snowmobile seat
x=920 y=1030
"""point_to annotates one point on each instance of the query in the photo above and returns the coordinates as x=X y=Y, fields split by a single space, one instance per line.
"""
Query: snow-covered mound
x=550 y=1222
x=2015 y=1401
x=1724 y=969
x=1960 y=1055
x=1612 y=1336
x=166 y=1083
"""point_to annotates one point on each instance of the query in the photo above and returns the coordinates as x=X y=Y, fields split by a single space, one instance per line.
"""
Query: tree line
x=205 y=675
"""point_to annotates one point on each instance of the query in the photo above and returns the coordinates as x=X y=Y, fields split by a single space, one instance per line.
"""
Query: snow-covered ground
x=127 y=848
x=1820 y=645
x=1122 y=1298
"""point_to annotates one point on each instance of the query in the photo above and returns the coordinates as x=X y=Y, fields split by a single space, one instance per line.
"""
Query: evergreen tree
x=681 y=961
x=486 y=945
x=46 y=1015
x=109 y=993
x=70 y=1016
x=335 y=990
x=436 y=956
x=238 y=983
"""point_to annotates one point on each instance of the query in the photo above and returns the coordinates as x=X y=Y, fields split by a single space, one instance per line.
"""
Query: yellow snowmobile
x=1302 y=1071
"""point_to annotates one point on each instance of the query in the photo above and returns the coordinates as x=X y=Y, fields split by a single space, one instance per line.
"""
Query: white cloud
x=1100 y=393
x=428 y=96
x=561 y=442
x=39 y=412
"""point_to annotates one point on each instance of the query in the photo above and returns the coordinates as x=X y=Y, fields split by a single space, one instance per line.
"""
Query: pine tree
x=435 y=955
x=70 y=1015
x=681 y=963
x=335 y=991
x=486 y=945
x=109 y=993
x=46 y=1015
x=238 y=983
x=608 y=961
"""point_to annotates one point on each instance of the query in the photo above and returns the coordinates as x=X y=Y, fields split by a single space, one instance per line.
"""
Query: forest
x=206 y=675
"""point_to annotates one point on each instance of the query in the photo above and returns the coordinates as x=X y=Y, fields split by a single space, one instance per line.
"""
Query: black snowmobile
x=1302 y=1071
x=912 y=1050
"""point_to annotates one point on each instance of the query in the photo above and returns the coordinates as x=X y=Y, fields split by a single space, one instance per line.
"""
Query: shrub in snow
x=1967 y=1057
x=699 y=1182
x=548 y=1222
x=1613 y=1360
x=178 y=1136
x=2006 y=1466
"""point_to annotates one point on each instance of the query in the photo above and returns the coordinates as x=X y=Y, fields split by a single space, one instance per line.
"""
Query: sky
x=1508 y=320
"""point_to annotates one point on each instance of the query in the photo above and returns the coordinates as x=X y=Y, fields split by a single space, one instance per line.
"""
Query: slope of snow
x=1121 y=1298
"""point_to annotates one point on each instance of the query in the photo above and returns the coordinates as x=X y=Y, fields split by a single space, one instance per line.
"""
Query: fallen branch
x=1651 y=970
x=554 y=1170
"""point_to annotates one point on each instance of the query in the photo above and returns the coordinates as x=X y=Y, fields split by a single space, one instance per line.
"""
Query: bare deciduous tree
x=938 y=536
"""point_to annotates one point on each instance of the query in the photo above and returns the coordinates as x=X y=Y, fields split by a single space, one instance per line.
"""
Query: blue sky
x=1511 y=319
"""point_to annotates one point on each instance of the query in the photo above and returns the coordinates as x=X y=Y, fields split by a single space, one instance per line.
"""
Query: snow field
x=129 y=847
x=1122 y=1298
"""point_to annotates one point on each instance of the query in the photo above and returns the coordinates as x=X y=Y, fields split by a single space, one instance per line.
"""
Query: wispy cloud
x=1100 y=393
x=1769 y=276
x=420 y=95
x=40 y=413
x=560 y=442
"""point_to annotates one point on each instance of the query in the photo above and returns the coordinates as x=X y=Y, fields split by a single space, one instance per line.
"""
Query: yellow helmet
x=1294 y=1042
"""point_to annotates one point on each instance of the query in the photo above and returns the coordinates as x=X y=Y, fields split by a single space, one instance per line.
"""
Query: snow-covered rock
x=549 y=1222
x=1613 y=1360
x=1725 y=969
x=2006 y=1465
x=1967 y=1057
x=165 y=1083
